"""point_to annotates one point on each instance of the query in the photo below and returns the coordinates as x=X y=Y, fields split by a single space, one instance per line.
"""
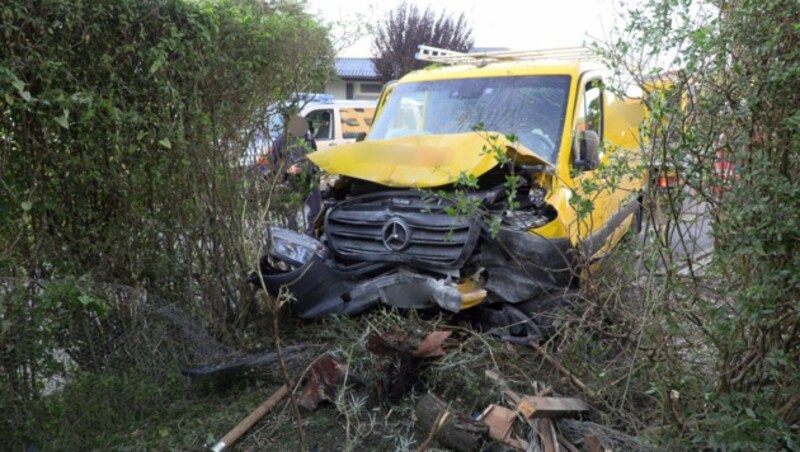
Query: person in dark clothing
x=289 y=152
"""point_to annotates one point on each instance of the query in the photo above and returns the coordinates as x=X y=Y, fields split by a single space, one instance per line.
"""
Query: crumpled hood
x=420 y=161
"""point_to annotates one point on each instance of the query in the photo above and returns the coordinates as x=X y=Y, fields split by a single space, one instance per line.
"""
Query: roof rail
x=444 y=56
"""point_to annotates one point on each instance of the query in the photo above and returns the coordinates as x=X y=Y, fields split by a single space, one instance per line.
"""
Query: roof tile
x=356 y=68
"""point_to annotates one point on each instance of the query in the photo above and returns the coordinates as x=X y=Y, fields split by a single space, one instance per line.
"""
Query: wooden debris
x=547 y=434
x=325 y=376
x=237 y=432
x=538 y=407
x=500 y=421
x=451 y=429
x=516 y=399
x=437 y=425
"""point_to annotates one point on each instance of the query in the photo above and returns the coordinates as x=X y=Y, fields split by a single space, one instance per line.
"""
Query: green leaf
x=85 y=300
x=26 y=206
x=63 y=120
x=165 y=143
x=156 y=66
x=19 y=85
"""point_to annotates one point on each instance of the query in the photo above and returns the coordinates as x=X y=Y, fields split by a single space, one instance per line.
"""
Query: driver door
x=592 y=195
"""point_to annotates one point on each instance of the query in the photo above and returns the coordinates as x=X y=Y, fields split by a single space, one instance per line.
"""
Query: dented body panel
x=418 y=161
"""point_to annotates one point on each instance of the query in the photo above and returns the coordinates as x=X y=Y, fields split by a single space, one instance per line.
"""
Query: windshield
x=531 y=107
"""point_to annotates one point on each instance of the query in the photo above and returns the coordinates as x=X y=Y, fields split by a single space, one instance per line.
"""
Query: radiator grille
x=400 y=227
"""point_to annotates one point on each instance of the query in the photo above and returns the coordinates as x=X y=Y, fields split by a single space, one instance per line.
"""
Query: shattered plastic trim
x=520 y=267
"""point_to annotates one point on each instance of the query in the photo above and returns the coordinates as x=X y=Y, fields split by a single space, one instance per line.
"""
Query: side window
x=585 y=148
x=355 y=121
x=370 y=88
x=321 y=121
x=590 y=110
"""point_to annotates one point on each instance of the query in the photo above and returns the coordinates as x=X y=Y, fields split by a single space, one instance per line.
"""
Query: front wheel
x=638 y=217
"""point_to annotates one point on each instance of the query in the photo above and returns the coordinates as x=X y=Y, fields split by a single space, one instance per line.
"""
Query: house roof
x=356 y=69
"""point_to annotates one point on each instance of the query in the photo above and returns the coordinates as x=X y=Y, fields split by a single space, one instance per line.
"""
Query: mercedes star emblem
x=396 y=234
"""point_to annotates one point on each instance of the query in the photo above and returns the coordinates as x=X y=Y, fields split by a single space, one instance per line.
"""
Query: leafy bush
x=122 y=126
x=725 y=339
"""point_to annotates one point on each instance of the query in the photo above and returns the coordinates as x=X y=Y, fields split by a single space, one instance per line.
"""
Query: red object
x=725 y=170
x=667 y=181
x=325 y=377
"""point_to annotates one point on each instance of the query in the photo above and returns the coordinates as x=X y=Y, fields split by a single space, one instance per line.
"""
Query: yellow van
x=481 y=187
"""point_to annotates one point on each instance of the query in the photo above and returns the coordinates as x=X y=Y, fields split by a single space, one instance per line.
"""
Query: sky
x=516 y=24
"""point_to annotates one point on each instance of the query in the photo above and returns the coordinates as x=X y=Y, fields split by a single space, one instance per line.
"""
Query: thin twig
x=277 y=340
x=564 y=371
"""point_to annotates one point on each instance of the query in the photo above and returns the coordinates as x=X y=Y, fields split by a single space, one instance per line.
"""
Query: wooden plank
x=251 y=419
x=456 y=432
x=549 y=440
x=500 y=420
x=539 y=407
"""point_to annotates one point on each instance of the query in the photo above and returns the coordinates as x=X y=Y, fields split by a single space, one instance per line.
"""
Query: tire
x=638 y=218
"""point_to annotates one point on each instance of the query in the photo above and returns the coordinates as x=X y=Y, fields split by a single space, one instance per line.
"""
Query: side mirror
x=587 y=148
x=361 y=136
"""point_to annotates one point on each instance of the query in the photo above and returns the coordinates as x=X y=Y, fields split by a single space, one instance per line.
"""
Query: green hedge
x=121 y=121
x=122 y=124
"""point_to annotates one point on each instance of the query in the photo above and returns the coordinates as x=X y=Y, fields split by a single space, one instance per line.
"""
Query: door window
x=589 y=116
x=590 y=110
x=321 y=121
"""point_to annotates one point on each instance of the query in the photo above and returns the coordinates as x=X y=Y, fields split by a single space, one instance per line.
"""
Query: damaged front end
x=413 y=249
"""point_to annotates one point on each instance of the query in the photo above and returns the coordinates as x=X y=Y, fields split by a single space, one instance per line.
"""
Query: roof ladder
x=444 y=56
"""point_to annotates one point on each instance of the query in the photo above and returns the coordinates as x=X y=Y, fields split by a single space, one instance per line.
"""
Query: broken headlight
x=525 y=220
x=292 y=248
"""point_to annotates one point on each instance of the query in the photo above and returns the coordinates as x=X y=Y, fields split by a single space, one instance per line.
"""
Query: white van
x=338 y=121
x=334 y=122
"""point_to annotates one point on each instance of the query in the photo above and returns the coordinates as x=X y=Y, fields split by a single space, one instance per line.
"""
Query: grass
x=130 y=411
